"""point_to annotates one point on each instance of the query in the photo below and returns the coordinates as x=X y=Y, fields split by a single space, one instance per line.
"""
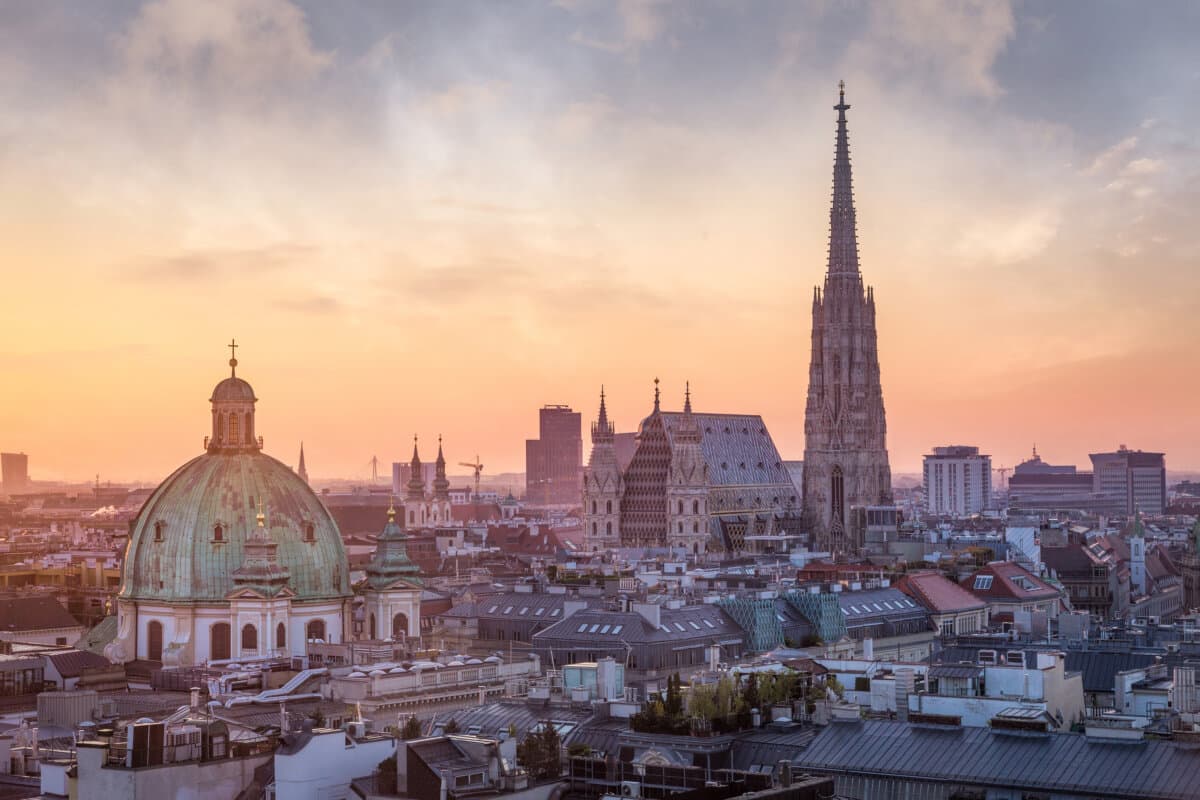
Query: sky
x=433 y=218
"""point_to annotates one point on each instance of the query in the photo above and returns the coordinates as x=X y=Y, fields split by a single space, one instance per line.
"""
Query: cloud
x=583 y=118
x=1112 y=156
x=311 y=304
x=1010 y=240
x=218 y=263
x=956 y=41
x=224 y=45
x=638 y=23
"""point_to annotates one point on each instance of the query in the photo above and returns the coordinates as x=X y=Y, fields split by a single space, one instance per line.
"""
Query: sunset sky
x=437 y=217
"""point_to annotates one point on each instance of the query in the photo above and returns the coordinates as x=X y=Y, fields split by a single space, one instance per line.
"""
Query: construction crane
x=478 y=467
x=374 y=465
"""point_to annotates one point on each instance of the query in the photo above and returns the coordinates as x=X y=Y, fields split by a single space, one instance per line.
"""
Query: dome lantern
x=233 y=412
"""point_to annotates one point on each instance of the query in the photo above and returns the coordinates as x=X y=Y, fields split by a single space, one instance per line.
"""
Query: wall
x=324 y=767
x=191 y=781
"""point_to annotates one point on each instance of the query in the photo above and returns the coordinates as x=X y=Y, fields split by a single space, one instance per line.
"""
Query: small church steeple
x=416 y=478
x=301 y=470
x=441 y=484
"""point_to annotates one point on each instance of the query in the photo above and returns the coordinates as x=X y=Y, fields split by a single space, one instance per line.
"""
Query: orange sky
x=434 y=226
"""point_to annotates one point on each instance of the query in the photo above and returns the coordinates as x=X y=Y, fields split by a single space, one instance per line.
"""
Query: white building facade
x=958 y=481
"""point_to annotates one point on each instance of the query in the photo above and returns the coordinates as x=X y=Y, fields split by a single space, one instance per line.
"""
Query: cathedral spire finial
x=687 y=397
x=603 y=409
x=233 y=346
x=656 y=394
x=391 y=512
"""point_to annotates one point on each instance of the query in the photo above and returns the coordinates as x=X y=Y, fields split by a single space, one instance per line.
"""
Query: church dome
x=192 y=540
x=188 y=538
x=233 y=390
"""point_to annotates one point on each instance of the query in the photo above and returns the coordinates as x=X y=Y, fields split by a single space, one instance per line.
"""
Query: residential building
x=958 y=481
x=1009 y=588
x=952 y=609
x=887 y=624
x=1094 y=584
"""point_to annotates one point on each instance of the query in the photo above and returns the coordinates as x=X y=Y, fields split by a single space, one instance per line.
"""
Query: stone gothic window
x=608 y=506
x=608 y=528
x=233 y=428
x=594 y=527
x=593 y=506
x=695 y=527
x=695 y=506
x=680 y=506
x=249 y=638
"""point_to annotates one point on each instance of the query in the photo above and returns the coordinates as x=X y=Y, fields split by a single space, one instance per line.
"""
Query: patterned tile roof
x=738 y=449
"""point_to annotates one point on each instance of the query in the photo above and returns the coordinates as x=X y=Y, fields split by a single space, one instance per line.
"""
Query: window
x=249 y=430
x=280 y=636
x=220 y=428
x=524 y=611
x=680 y=506
x=219 y=636
x=315 y=630
x=605 y=628
x=233 y=428
x=983 y=582
x=310 y=532
x=556 y=612
x=594 y=628
x=154 y=640
x=697 y=627
x=617 y=629
x=608 y=529
x=537 y=612
x=608 y=506
x=159 y=527
x=218 y=533
x=249 y=638
x=593 y=506
x=508 y=610
x=582 y=628
x=708 y=623
x=680 y=628
x=837 y=495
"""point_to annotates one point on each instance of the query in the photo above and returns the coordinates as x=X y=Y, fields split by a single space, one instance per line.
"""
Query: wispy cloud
x=208 y=265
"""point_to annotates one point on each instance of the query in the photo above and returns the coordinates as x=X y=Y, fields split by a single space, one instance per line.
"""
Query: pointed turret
x=301 y=470
x=441 y=485
x=416 y=478
x=688 y=431
x=603 y=431
x=843 y=235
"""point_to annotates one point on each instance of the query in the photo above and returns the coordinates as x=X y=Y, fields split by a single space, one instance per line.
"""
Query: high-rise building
x=1139 y=479
x=845 y=429
x=14 y=472
x=554 y=460
x=958 y=481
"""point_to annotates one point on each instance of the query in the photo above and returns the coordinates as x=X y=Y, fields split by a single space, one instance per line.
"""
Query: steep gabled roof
x=937 y=593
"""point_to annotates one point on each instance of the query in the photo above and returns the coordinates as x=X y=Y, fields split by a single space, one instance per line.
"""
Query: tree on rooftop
x=411 y=729
x=541 y=753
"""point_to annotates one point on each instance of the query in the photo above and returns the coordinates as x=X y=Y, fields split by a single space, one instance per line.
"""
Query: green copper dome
x=188 y=539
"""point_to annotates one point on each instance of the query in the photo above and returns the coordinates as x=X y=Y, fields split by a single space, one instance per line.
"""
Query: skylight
x=556 y=612
x=524 y=610
x=595 y=628
x=983 y=582
x=537 y=612
x=605 y=628
x=709 y=624
x=681 y=628
x=617 y=629
x=508 y=609
x=492 y=610
x=582 y=628
x=697 y=627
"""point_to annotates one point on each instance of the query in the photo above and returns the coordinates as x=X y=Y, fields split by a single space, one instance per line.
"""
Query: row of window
x=236 y=431
x=220 y=638
x=218 y=535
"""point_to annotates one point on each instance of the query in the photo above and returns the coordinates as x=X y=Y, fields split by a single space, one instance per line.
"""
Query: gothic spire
x=843 y=237
x=687 y=397
x=441 y=485
x=656 y=395
x=602 y=429
x=301 y=470
x=416 y=478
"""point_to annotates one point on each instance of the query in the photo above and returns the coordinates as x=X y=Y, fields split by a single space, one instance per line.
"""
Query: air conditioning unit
x=631 y=789
x=357 y=730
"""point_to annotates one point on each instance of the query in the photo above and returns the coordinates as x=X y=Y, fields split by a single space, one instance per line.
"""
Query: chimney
x=651 y=612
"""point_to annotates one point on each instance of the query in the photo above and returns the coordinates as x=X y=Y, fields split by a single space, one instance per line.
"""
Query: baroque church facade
x=234 y=558
x=845 y=428
x=695 y=482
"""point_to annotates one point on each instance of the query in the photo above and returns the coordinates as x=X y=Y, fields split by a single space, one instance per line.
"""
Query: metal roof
x=1067 y=763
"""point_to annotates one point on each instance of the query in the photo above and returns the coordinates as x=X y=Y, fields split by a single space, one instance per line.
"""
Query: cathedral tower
x=687 y=485
x=602 y=487
x=845 y=449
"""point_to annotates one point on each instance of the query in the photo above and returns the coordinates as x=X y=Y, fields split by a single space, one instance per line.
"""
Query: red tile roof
x=937 y=593
x=1010 y=583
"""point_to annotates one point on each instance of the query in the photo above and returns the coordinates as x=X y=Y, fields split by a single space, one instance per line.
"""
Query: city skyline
x=406 y=241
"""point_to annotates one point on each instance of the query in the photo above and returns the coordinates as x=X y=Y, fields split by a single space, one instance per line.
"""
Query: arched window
x=280 y=636
x=593 y=506
x=159 y=527
x=608 y=528
x=233 y=428
x=316 y=629
x=219 y=636
x=249 y=639
x=837 y=495
x=310 y=532
x=608 y=506
x=680 y=506
x=220 y=428
x=218 y=533
x=399 y=626
x=249 y=430
x=681 y=527
x=695 y=506
x=154 y=637
x=594 y=526
x=371 y=627
x=412 y=517
x=695 y=527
